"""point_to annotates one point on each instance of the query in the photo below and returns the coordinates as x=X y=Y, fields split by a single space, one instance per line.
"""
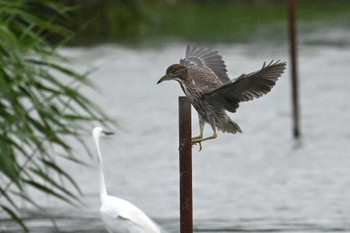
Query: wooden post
x=294 y=69
x=185 y=153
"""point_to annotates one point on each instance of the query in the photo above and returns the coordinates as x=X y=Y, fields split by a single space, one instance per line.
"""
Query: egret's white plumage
x=118 y=215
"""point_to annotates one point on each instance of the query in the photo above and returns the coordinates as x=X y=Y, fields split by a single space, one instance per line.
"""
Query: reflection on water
x=87 y=223
x=260 y=181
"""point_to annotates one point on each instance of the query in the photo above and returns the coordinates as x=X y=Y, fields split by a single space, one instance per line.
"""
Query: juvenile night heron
x=203 y=77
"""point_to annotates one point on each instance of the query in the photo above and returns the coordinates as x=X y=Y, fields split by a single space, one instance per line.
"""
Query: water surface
x=258 y=181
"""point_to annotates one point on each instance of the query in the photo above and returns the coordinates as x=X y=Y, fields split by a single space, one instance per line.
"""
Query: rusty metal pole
x=294 y=69
x=185 y=153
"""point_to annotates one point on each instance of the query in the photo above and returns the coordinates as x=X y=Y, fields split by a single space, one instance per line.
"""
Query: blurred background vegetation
x=41 y=105
x=43 y=115
x=135 y=21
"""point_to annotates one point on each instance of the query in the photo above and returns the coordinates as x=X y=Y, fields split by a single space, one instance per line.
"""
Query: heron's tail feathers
x=230 y=127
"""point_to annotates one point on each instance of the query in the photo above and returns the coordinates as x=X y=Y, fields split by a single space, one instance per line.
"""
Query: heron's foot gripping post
x=197 y=141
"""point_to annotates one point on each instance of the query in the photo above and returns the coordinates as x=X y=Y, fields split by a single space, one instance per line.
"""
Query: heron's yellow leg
x=196 y=140
x=197 y=137
x=200 y=140
x=201 y=128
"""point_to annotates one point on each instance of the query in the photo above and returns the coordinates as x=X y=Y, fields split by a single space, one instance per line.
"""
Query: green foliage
x=219 y=22
x=105 y=20
x=208 y=21
x=40 y=105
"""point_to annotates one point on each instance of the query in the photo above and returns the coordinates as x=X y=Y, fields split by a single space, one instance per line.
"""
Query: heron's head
x=97 y=132
x=175 y=72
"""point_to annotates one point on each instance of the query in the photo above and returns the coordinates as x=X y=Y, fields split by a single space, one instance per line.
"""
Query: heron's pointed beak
x=164 y=78
x=107 y=133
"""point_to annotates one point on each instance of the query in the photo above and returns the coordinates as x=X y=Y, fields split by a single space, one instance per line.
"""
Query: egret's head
x=175 y=72
x=97 y=132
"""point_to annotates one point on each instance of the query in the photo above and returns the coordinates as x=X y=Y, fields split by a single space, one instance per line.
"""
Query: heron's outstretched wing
x=207 y=60
x=248 y=86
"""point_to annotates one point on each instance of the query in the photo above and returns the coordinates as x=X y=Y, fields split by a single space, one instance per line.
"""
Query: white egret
x=118 y=215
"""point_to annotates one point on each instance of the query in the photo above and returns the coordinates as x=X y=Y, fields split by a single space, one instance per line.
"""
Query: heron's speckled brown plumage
x=203 y=77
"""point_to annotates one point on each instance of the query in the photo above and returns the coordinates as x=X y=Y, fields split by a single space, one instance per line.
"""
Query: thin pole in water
x=185 y=153
x=293 y=57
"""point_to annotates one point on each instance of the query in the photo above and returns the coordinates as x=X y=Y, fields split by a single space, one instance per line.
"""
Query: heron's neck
x=189 y=88
x=103 y=189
